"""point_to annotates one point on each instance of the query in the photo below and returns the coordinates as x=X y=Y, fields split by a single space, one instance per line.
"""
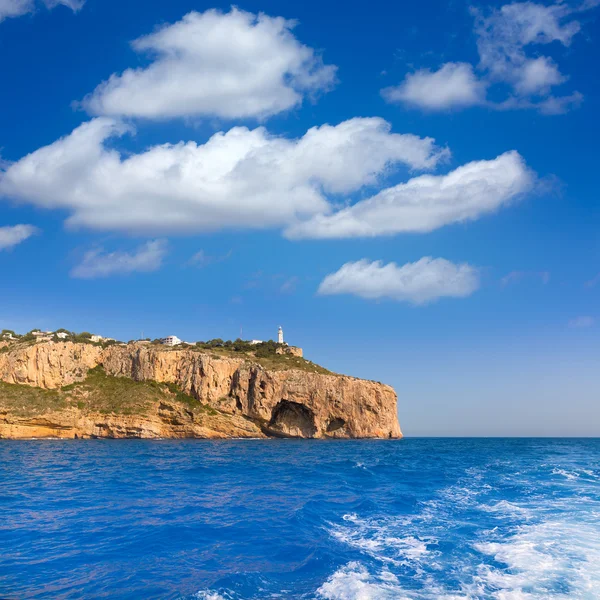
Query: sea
x=505 y=519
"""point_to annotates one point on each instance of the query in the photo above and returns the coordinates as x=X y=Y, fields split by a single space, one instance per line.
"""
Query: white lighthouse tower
x=280 y=336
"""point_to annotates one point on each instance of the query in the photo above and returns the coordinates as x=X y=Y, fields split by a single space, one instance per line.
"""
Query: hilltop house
x=41 y=334
x=171 y=340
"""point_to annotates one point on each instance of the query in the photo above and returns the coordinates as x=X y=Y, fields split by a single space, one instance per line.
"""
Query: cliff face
x=245 y=399
x=163 y=420
x=48 y=365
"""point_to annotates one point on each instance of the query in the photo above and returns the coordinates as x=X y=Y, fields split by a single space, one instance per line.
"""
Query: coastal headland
x=81 y=389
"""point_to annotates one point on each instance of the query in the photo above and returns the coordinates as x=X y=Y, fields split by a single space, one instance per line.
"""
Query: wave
x=354 y=581
x=467 y=544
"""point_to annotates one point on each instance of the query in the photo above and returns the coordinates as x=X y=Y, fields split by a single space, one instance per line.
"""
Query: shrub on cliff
x=266 y=349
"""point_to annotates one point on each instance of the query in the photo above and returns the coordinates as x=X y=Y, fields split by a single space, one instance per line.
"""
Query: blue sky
x=410 y=190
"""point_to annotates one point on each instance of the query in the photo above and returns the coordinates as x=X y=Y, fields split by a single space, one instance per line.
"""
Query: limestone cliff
x=229 y=396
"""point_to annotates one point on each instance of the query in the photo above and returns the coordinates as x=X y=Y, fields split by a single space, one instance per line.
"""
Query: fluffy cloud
x=453 y=85
x=12 y=235
x=17 y=8
x=418 y=283
x=504 y=36
x=504 y=33
x=427 y=202
x=97 y=263
x=239 y=179
x=229 y=65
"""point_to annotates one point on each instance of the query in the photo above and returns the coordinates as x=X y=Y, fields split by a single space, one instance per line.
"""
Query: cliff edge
x=66 y=389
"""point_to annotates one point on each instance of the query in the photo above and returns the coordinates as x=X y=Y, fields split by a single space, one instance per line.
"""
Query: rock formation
x=234 y=397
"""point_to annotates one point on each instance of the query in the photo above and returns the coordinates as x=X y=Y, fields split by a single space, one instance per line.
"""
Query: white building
x=100 y=338
x=171 y=340
x=280 y=336
x=256 y=342
x=62 y=335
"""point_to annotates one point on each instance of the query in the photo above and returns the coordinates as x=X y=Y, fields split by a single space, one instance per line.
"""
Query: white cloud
x=505 y=37
x=537 y=76
x=229 y=65
x=582 y=322
x=239 y=179
x=418 y=283
x=74 y=5
x=427 y=202
x=17 y=8
x=97 y=263
x=15 y=234
x=453 y=85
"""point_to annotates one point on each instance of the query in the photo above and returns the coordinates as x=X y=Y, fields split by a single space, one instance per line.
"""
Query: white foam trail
x=543 y=546
x=568 y=475
x=379 y=539
x=543 y=559
x=353 y=582
x=507 y=509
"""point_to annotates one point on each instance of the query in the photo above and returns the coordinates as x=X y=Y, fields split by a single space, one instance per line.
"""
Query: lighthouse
x=280 y=336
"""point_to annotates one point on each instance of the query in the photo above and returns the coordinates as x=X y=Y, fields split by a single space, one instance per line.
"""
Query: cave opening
x=292 y=419
x=335 y=424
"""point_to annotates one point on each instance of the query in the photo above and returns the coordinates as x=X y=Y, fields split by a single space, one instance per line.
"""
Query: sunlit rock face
x=247 y=400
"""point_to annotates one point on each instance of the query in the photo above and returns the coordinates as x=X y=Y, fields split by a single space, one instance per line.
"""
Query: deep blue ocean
x=505 y=519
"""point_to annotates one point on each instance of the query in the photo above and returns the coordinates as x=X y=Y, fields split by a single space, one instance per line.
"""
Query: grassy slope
x=98 y=393
x=272 y=362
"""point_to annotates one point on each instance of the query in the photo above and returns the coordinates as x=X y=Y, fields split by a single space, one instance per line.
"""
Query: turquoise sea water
x=513 y=519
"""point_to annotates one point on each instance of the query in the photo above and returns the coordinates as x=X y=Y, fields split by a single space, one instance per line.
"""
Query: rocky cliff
x=84 y=390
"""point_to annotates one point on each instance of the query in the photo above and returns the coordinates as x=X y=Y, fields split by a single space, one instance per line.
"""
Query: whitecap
x=571 y=475
x=354 y=582
x=505 y=508
x=555 y=558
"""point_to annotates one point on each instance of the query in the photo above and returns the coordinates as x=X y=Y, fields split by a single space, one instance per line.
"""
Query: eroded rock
x=251 y=401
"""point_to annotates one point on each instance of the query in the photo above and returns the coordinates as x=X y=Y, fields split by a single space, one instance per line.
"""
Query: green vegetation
x=269 y=355
x=98 y=393
x=281 y=362
x=265 y=354
x=85 y=337
x=183 y=398
x=24 y=400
